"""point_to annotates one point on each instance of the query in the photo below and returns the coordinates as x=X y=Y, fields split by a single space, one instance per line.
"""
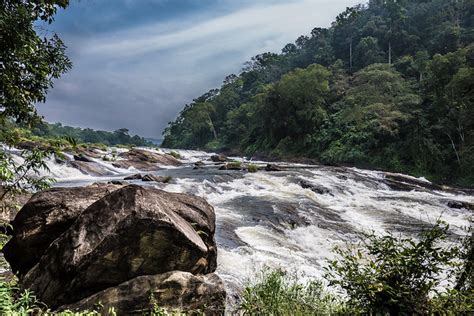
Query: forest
x=388 y=86
x=44 y=130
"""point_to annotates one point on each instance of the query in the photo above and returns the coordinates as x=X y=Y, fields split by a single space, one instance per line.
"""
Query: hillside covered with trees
x=389 y=85
x=44 y=130
x=120 y=136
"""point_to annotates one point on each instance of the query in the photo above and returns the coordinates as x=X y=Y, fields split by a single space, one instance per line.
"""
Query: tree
x=294 y=108
x=345 y=28
x=368 y=52
x=29 y=63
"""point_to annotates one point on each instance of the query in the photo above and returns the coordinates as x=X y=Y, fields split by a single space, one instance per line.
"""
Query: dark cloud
x=135 y=66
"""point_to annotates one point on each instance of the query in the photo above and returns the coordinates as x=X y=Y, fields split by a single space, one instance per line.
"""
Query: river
x=267 y=219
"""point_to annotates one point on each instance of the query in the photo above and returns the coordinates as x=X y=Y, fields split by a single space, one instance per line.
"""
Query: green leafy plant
x=252 y=168
x=390 y=275
x=277 y=293
x=175 y=154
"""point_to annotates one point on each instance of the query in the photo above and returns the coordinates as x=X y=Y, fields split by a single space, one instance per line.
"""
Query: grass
x=277 y=293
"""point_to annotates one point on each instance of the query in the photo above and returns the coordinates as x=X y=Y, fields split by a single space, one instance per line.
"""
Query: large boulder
x=44 y=218
x=131 y=232
x=145 y=160
x=175 y=290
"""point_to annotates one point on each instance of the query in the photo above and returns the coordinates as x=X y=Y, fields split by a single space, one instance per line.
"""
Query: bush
x=276 y=293
x=252 y=168
x=175 y=154
x=388 y=275
x=233 y=165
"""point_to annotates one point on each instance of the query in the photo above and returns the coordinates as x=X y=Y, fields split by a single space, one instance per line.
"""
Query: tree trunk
x=390 y=53
x=212 y=126
x=350 y=54
x=454 y=148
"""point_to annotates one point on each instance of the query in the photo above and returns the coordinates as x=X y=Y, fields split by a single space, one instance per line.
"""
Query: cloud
x=140 y=76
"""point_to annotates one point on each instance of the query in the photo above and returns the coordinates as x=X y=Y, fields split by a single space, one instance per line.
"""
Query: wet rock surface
x=44 y=218
x=314 y=187
x=175 y=290
x=126 y=234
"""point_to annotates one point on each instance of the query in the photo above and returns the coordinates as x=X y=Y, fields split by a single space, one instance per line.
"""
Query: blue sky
x=137 y=62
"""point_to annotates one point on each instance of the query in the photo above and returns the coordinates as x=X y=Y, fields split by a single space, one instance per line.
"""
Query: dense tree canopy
x=87 y=135
x=388 y=85
x=28 y=61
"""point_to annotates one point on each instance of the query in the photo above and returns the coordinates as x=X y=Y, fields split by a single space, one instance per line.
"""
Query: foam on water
x=269 y=219
x=359 y=202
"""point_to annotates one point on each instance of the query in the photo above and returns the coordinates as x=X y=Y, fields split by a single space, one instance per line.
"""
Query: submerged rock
x=136 y=176
x=314 y=187
x=44 y=218
x=90 y=168
x=175 y=290
x=400 y=182
x=271 y=167
x=219 y=158
x=154 y=178
x=460 y=205
x=82 y=158
x=131 y=232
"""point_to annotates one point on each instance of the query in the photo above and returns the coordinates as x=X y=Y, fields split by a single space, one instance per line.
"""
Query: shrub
x=276 y=293
x=234 y=165
x=167 y=179
x=175 y=154
x=391 y=275
x=252 y=168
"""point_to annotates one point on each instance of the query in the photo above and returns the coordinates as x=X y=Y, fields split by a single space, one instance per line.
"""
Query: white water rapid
x=267 y=219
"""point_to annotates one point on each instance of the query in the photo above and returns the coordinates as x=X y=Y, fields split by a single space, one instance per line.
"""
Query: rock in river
x=44 y=218
x=129 y=233
x=145 y=160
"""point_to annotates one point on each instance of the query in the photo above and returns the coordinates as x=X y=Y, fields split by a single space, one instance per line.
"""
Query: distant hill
x=87 y=135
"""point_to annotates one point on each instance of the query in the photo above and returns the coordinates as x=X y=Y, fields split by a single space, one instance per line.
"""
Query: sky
x=136 y=63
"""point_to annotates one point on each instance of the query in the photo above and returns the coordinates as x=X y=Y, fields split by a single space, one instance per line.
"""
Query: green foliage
x=328 y=96
x=252 y=168
x=29 y=62
x=389 y=275
x=167 y=179
x=276 y=293
x=234 y=165
x=175 y=154
x=25 y=175
x=76 y=135
x=16 y=302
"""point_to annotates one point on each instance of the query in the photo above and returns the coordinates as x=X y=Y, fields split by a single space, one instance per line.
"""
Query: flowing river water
x=267 y=219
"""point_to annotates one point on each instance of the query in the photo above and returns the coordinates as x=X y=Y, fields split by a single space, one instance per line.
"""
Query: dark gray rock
x=271 y=167
x=314 y=187
x=44 y=218
x=136 y=176
x=175 y=290
x=130 y=232
x=219 y=158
